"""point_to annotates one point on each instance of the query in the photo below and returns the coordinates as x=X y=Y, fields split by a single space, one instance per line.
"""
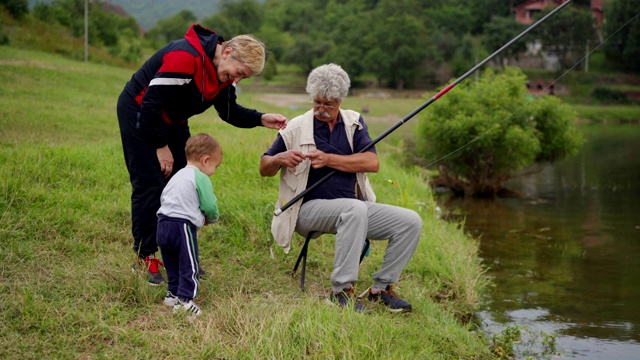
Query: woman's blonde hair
x=249 y=50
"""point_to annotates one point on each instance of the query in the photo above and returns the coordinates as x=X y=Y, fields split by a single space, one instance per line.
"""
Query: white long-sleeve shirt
x=189 y=195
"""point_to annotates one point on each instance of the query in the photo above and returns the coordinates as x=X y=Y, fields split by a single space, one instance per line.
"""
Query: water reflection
x=566 y=259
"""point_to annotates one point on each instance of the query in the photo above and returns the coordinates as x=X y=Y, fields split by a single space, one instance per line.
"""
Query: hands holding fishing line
x=318 y=158
x=359 y=162
x=270 y=165
x=292 y=158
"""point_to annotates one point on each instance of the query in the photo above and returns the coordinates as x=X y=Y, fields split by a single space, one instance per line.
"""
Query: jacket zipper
x=202 y=78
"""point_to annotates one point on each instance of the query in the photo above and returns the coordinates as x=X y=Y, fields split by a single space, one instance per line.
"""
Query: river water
x=566 y=261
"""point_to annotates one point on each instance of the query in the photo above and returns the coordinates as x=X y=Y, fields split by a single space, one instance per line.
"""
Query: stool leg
x=303 y=257
x=304 y=270
x=365 y=249
x=303 y=254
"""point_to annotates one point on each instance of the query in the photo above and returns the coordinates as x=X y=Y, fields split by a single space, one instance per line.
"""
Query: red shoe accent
x=152 y=264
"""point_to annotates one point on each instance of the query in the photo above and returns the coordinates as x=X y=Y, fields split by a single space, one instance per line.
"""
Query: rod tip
x=277 y=212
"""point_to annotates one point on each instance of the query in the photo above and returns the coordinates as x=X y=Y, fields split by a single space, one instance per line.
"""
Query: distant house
x=598 y=11
x=526 y=11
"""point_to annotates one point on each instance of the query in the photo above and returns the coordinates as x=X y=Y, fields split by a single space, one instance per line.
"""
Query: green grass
x=608 y=113
x=66 y=287
x=289 y=76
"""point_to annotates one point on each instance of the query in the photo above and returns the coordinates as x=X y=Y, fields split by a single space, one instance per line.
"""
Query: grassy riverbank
x=66 y=288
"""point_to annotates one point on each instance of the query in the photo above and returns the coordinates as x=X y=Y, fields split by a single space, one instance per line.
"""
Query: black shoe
x=390 y=300
x=345 y=299
x=202 y=273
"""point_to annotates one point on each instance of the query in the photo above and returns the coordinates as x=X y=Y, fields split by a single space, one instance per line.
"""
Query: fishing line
x=534 y=96
x=338 y=152
x=432 y=100
x=438 y=95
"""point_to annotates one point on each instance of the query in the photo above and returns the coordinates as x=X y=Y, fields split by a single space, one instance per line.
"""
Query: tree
x=235 y=18
x=350 y=26
x=484 y=11
x=4 y=38
x=300 y=17
x=400 y=45
x=567 y=33
x=277 y=42
x=466 y=55
x=456 y=19
x=172 y=28
x=400 y=42
x=499 y=31
x=307 y=52
x=17 y=8
x=483 y=132
x=623 y=48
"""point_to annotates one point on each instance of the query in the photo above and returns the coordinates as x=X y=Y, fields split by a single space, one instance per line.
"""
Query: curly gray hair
x=328 y=81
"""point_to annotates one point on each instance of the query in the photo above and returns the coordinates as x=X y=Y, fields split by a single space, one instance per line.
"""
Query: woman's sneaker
x=390 y=300
x=152 y=265
x=187 y=306
x=170 y=299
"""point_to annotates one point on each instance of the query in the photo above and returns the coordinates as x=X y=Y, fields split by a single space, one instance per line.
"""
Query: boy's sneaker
x=153 y=272
x=345 y=298
x=390 y=300
x=170 y=299
x=189 y=307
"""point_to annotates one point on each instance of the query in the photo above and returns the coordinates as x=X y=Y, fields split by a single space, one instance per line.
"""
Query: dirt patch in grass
x=301 y=102
x=287 y=100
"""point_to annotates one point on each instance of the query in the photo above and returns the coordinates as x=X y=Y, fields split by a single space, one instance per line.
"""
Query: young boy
x=187 y=204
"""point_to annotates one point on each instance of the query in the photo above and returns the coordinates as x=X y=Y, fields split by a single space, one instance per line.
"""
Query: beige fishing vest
x=299 y=136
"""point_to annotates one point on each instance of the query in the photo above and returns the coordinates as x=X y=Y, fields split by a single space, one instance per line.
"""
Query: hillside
x=66 y=287
x=148 y=12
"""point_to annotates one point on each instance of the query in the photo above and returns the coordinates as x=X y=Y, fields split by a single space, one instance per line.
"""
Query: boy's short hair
x=200 y=145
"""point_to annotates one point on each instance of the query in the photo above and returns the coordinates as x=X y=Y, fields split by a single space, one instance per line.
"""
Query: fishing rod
x=425 y=104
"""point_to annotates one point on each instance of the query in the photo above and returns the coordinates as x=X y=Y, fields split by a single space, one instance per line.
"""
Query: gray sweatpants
x=354 y=220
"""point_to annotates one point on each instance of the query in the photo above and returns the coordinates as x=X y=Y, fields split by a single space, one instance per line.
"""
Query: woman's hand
x=165 y=158
x=274 y=121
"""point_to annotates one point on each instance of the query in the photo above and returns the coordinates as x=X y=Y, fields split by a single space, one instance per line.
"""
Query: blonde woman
x=184 y=78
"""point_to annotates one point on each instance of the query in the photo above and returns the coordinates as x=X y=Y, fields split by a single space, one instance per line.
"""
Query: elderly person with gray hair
x=324 y=139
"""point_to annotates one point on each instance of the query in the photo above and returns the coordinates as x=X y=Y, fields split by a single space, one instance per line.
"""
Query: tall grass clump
x=66 y=286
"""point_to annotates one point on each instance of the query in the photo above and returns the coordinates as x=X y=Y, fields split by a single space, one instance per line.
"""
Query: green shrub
x=17 y=8
x=4 y=38
x=483 y=132
x=609 y=96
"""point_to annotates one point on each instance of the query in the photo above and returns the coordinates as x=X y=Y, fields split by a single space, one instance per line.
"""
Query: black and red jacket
x=180 y=81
